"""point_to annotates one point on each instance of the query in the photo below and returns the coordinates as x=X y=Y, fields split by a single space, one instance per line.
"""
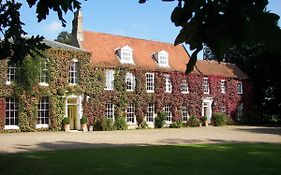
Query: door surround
x=207 y=108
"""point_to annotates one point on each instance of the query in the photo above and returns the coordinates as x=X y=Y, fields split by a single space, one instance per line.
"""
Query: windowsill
x=42 y=126
x=168 y=122
x=222 y=92
x=8 y=83
x=206 y=93
x=183 y=92
x=11 y=127
x=43 y=84
x=240 y=93
x=72 y=84
x=149 y=91
x=130 y=90
x=168 y=91
x=108 y=89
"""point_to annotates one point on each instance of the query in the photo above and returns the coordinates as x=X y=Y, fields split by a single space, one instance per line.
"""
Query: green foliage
x=203 y=119
x=143 y=125
x=84 y=120
x=28 y=73
x=176 y=124
x=193 y=121
x=160 y=120
x=219 y=119
x=64 y=37
x=120 y=123
x=103 y=124
x=66 y=121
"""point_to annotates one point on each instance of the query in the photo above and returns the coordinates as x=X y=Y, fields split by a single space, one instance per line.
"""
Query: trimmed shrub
x=160 y=120
x=97 y=124
x=176 y=124
x=66 y=121
x=107 y=124
x=120 y=123
x=84 y=120
x=219 y=119
x=193 y=121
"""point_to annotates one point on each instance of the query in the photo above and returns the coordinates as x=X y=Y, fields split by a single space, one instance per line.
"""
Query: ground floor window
x=12 y=113
x=184 y=111
x=167 y=110
x=150 y=112
x=109 y=111
x=43 y=111
x=130 y=113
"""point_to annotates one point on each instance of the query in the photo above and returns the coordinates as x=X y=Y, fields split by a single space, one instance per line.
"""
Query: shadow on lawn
x=263 y=130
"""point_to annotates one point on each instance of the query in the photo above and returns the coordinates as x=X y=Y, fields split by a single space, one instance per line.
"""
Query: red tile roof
x=103 y=46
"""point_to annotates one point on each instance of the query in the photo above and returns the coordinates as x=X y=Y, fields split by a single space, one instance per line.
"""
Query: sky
x=123 y=17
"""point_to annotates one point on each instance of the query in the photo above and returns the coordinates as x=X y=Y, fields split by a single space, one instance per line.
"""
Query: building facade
x=111 y=76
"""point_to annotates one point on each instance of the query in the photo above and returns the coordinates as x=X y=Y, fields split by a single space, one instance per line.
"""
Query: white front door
x=207 y=109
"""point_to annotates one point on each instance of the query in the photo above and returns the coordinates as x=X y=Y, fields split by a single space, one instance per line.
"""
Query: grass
x=179 y=159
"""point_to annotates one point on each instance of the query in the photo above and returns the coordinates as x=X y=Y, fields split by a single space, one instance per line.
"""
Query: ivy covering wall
x=91 y=86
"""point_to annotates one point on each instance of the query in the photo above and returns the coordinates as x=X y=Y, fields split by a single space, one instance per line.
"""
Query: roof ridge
x=130 y=37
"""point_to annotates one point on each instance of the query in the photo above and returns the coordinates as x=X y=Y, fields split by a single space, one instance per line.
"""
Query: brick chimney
x=77 y=29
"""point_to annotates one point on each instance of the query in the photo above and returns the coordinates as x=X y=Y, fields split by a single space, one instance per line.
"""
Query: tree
x=64 y=37
x=223 y=24
x=12 y=44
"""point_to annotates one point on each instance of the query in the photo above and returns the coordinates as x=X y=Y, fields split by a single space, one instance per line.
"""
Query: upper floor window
x=12 y=113
x=223 y=109
x=44 y=74
x=126 y=55
x=73 y=72
x=184 y=87
x=184 y=112
x=11 y=74
x=130 y=80
x=162 y=58
x=167 y=110
x=43 y=111
x=130 y=113
x=149 y=82
x=109 y=79
x=206 y=85
x=109 y=111
x=150 y=113
x=239 y=87
x=223 y=87
x=168 y=84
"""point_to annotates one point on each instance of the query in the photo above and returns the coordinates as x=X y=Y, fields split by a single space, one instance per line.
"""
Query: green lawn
x=236 y=159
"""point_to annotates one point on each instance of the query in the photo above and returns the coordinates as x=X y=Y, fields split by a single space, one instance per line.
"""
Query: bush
x=103 y=124
x=160 y=120
x=193 y=121
x=66 y=121
x=120 y=123
x=84 y=120
x=143 y=125
x=177 y=124
x=219 y=119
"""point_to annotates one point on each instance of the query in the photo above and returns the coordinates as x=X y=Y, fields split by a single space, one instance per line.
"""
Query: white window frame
x=239 y=87
x=12 y=113
x=150 y=113
x=150 y=82
x=126 y=55
x=184 y=112
x=223 y=86
x=43 y=113
x=43 y=77
x=168 y=84
x=109 y=79
x=162 y=58
x=206 y=86
x=11 y=74
x=130 y=114
x=184 y=87
x=167 y=110
x=109 y=111
x=73 y=72
x=130 y=80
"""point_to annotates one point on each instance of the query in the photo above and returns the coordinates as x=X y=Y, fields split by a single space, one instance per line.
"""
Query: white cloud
x=54 y=26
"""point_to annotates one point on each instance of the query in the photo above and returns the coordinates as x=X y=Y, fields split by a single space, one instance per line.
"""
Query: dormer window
x=162 y=58
x=126 y=55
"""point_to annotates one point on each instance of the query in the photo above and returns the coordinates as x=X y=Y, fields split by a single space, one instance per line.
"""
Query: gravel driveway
x=37 y=141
